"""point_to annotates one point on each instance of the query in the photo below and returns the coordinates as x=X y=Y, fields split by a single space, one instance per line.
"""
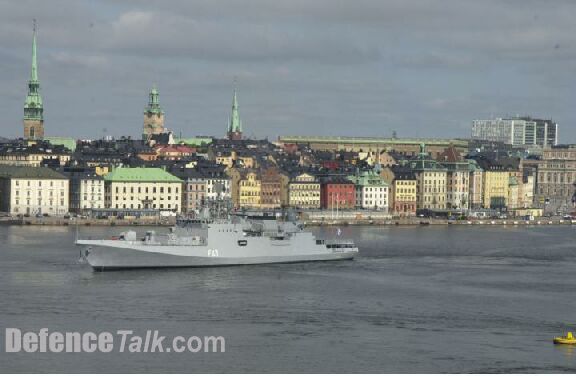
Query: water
x=418 y=299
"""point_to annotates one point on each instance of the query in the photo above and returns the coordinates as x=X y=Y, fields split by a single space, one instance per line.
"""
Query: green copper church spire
x=235 y=122
x=34 y=72
x=33 y=108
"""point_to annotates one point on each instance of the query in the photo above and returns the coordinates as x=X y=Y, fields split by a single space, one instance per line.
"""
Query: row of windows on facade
x=94 y=191
x=434 y=198
x=299 y=186
x=93 y=198
x=124 y=198
x=40 y=193
x=39 y=183
x=32 y=157
x=140 y=206
x=201 y=188
x=555 y=191
x=169 y=190
x=50 y=202
x=571 y=155
x=440 y=189
x=405 y=198
x=434 y=182
x=404 y=207
x=370 y=195
x=553 y=177
x=377 y=189
x=375 y=203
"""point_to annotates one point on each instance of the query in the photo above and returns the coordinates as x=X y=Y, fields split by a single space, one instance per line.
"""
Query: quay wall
x=318 y=221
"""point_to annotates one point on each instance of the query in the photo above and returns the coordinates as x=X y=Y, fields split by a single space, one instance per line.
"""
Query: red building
x=337 y=193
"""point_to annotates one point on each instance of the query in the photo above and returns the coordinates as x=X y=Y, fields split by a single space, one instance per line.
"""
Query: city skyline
x=97 y=67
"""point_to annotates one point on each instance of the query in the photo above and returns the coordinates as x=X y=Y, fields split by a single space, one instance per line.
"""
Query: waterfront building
x=520 y=131
x=218 y=184
x=337 y=193
x=457 y=179
x=304 y=192
x=513 y=190
x=496 y=181
x=249 y=189
x=153 y=116
x=406 y=146
x=556 y=179
x=33 y=107
x=194 y=195
x=403 y=195
x=526 y=192
x=87 y=190
x=431 y=180
x=143 y=188
x=475 y=180
x=273 y=188
x=33 y=191
x=202 y=184
x=371 y=191
x=234 y=123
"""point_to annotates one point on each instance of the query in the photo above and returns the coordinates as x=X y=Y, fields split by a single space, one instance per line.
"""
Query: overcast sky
x=304 y=67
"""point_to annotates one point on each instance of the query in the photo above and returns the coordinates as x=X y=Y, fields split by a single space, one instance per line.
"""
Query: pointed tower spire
x=33 y=107
x=235 y=124
x=34 y=71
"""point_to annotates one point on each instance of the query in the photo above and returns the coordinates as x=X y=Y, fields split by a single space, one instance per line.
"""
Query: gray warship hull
x=227 y=245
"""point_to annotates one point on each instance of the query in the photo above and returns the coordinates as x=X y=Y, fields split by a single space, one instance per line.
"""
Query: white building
x=516 y=131
x=372 y=192
x=33 y=191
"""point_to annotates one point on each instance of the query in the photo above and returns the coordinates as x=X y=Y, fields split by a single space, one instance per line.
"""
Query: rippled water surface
x=417 y=299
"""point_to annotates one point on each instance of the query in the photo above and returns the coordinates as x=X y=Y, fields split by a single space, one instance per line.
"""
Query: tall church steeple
x=153 y=116
x=235 y=124
x=33 y=107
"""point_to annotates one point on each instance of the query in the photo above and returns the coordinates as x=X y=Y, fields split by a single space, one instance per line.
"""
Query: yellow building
x=495 y=188
x=304 y=192
x=404 y=197
x=143 y=188
x=33 y=191
x=249 y=190
x=431 y=181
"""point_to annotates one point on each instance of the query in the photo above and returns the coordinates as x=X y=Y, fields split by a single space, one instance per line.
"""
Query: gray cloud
x=422 y=68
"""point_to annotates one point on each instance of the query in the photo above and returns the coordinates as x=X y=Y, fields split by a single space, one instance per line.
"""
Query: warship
x=237 y=240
